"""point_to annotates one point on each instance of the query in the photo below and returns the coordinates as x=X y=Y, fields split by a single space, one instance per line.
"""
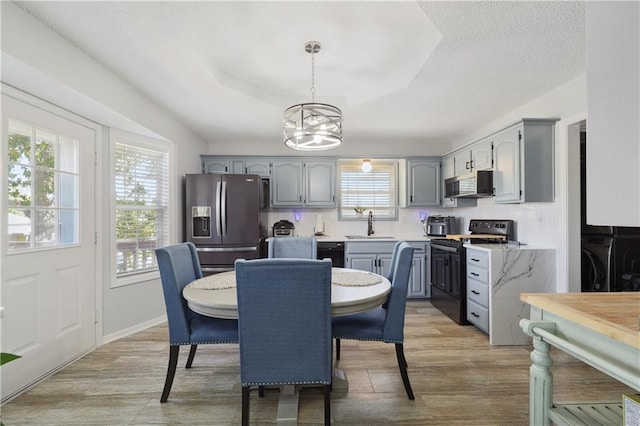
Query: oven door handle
x=444 y=248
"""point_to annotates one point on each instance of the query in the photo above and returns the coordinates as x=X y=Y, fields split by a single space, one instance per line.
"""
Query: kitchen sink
x=367 y=237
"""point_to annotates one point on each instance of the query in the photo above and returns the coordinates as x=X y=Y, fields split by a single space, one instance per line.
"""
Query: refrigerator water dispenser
x=201 y=221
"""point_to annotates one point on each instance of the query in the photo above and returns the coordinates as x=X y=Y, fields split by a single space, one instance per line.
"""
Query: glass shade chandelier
x=312 y=126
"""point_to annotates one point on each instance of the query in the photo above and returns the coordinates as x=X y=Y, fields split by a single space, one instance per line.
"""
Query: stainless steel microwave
x=472 y=185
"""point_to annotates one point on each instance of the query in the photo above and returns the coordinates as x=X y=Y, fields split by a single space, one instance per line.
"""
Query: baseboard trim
x=131 y=330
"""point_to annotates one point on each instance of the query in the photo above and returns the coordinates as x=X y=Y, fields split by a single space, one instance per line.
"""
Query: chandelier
x=312 y=126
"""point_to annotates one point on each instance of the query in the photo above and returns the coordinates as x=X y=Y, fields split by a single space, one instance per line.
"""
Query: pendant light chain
x=313 y=77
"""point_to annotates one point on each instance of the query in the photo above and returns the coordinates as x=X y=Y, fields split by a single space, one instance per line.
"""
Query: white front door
x=48 y=288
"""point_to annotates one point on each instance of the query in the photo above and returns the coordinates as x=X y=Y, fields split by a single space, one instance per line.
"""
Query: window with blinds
x=361 y=191
x=141 y=182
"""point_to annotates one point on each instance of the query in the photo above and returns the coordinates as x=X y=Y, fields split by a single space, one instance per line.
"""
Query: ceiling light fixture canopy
x=312 y=126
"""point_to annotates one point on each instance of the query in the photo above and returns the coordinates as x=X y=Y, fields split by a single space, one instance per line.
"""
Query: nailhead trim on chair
x=286 y=383
x=369 y=339
x=203 y=343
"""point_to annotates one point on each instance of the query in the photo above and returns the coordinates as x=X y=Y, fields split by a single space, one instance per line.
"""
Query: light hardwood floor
x=457 y=378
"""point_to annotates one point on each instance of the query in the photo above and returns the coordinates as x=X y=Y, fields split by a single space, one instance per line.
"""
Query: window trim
x=382 y=161
x=145 y=142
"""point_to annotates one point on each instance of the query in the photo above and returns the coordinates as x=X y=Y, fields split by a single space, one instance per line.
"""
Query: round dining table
x=352 y=291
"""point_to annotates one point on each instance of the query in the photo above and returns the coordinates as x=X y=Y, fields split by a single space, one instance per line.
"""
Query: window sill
x=135 y=279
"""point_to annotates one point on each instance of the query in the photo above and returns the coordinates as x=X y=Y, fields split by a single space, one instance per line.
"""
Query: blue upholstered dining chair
x=179 y=265
x=386 y=323
x=284 y=322
x=294 y=247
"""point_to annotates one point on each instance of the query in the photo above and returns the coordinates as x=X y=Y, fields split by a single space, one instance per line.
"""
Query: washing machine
x=596 y=263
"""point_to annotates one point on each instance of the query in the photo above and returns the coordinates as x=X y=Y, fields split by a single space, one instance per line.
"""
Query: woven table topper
x=216 y=281
x=354 y=279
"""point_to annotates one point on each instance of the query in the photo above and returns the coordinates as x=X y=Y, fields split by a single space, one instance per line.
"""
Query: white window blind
x=375 y=190
x=141 y=181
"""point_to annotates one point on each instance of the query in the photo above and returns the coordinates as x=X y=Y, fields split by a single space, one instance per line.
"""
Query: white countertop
x=497 y=247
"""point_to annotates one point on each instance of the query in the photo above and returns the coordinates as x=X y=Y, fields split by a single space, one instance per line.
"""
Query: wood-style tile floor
x=457 y=378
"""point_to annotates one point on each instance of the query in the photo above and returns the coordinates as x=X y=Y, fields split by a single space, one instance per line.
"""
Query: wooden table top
x=616 y=315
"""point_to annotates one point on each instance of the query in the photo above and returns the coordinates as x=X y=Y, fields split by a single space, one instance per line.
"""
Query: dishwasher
x=333 y=250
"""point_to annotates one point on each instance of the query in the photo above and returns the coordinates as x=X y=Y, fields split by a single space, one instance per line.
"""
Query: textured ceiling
x=425 y=72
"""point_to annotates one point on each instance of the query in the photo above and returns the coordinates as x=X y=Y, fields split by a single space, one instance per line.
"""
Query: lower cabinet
x=375 y=256
x=496 y=276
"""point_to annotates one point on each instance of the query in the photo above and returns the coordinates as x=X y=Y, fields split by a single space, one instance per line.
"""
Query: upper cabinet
x=423 y=182
x=448 y=171
x=286 y=183
x=235 y=165
x=478 y=156
x=523 y=169
x=296 y=183
x=216 y=165
x=482 y=155
x=320 y=183
x=257 y=167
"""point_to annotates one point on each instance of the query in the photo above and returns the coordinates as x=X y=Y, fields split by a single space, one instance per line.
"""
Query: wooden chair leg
x=192 y=353
x=402 y=363
x=171 y=372
x=337 y=349
x=327 y=405
x=245 y=406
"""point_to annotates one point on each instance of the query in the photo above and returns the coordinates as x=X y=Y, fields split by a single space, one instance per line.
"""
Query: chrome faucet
x=370 y=224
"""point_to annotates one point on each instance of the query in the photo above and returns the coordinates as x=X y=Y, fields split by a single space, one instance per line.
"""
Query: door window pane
x=37 y=188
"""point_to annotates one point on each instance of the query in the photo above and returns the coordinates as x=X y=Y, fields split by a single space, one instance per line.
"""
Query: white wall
x=38 y=61
x=613 y=84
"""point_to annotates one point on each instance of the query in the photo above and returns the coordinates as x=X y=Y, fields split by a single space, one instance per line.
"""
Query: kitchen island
x=600 y=329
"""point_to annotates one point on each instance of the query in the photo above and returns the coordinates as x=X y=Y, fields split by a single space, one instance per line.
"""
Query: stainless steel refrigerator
x=222 y=217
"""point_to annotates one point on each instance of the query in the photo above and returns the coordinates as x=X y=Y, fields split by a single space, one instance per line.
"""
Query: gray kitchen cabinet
x=423 y=182
x=524 y=162
x=448 y=171
x=477 y=156
x=297 y=183
x=482 y=155
x=420 y=277
x=287 y=183
x=376 y=257
x=320 y=183
x=216 y=165
x=259 y=167
x=235 y=165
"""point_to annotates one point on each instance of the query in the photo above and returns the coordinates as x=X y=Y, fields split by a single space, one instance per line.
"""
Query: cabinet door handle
x=411 y=198
x=471 y=164
x=475 y=292
x=475 y=275
x=475 y=315
x=475 y=260
x=466 y=165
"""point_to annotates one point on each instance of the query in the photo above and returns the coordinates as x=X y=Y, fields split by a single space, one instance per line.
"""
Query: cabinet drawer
x=478 y=274
x=478 y=316
x=478 y=292
x=477 y=258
